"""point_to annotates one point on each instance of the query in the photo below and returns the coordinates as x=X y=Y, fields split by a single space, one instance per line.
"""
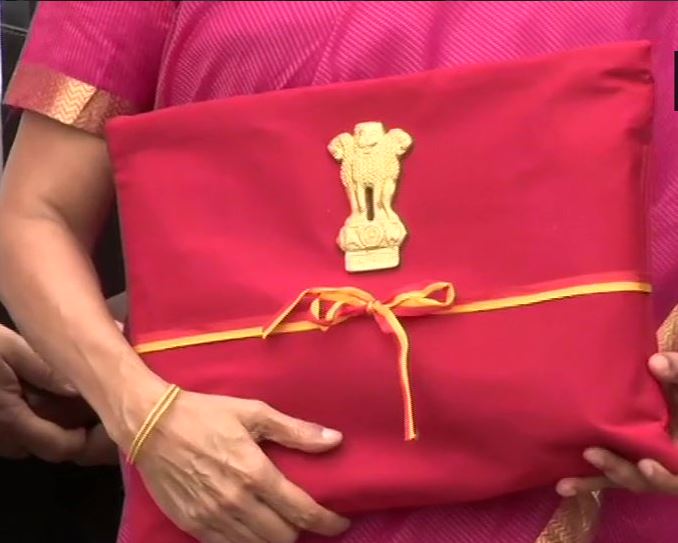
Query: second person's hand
x=648 y=475
x=23 y=432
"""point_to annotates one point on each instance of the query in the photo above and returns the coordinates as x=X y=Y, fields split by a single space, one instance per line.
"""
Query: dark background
x=39 y=502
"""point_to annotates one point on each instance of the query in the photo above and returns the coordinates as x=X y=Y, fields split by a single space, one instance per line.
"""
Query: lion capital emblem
x=370 y=168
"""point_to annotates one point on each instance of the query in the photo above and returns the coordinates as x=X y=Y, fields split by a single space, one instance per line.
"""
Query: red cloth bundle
x=460 y=252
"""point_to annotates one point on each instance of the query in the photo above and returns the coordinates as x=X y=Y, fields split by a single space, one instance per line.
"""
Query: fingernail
x=594 y=457
x=566 y=490
x=646 y=467
x=330 y=435
x=70 y=388
x=659 y=364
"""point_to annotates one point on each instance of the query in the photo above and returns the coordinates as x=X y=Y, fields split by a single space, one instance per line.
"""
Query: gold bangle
x=152 y=419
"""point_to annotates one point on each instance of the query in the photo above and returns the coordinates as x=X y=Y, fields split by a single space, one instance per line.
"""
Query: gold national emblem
x=370 y=166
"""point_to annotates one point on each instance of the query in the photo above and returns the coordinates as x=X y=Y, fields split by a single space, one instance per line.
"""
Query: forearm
x=50 y=211
x=50 y=288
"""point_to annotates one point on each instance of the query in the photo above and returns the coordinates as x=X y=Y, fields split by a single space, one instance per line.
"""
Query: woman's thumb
x=272 y=425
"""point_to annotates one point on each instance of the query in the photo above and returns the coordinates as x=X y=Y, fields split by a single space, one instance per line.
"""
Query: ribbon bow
x=331 y=306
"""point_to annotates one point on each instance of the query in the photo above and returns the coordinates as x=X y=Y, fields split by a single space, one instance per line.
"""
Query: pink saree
x=89 y=61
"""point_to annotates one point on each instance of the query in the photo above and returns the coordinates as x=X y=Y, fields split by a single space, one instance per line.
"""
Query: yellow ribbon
x=347 y=302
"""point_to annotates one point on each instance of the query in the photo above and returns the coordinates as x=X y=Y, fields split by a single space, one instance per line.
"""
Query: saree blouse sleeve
x=86 y=62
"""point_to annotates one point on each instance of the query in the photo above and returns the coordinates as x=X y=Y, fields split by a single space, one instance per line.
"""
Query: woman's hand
x=647 y=475
x=205 y=470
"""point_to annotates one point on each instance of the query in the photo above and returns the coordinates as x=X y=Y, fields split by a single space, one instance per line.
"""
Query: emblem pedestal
x=372 y=259
x=371 y=245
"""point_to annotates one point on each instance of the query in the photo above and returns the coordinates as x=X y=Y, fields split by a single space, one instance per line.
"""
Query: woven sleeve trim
x=64 y=98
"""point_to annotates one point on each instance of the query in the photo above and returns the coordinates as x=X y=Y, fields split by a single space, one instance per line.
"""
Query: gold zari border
x=64 y=99
x=667 y=337
x=575 y=520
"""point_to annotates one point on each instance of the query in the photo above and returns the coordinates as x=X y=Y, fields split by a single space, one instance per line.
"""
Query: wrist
x=140 y=391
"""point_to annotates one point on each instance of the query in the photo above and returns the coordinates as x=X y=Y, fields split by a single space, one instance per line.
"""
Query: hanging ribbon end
x=411 y=433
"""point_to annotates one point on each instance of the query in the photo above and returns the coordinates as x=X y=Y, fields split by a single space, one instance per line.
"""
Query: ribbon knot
x=370 y=309
x=331 y=306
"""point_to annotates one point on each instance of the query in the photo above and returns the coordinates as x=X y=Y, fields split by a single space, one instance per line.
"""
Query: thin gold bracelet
x=152 y=419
